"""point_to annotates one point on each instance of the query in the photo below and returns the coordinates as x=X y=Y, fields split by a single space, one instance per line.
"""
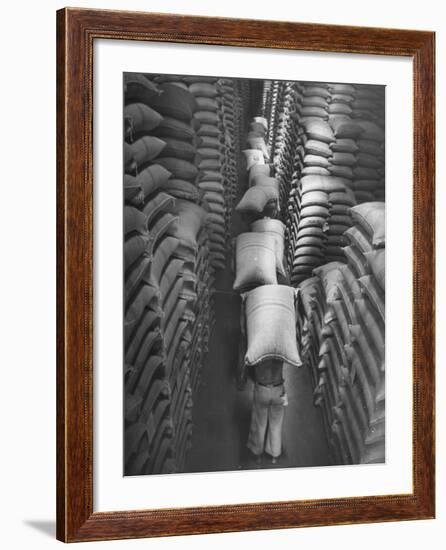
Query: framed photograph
x=245 y=275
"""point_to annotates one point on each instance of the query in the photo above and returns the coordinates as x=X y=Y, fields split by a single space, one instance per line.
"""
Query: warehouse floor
x=221 y=412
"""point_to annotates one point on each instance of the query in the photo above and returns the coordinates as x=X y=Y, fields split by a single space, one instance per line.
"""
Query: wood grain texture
x=76 y=31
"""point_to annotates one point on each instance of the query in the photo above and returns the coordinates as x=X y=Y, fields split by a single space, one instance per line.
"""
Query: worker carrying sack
x=277 y=229
x=270 y=314
x=255 y=260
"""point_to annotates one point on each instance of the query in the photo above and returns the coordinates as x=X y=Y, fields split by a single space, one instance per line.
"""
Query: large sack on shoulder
x=257 y=198
x=371 y=217
x=253 y=157
x=271 y=325
x=255 y=260
x=277 y=229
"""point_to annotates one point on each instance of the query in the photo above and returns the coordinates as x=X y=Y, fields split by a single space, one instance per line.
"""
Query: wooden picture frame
x=77 y=29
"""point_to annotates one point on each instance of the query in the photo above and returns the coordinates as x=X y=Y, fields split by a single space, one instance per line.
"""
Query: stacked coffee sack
x=269 y=307
x=342 y=330
x=177 y=165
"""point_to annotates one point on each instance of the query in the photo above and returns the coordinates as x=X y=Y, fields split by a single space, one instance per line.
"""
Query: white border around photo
x=113 y=491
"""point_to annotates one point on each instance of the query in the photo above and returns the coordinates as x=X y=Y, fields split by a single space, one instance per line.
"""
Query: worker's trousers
x=265 y=433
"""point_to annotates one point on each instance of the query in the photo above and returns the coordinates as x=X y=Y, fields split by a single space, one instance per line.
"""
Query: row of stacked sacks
x=172 y=182
x=342 y=330
x=351 y=120
x=318 y=214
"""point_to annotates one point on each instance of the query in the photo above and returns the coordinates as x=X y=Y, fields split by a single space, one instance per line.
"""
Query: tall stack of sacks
x=266 y=99
x=162 y=168
x=187 y=112
x=211 y=152
x=230 y=115
x=318 y=215
x=196 y=310
x=358 y=125
x=369 y=109
x=343 y=341
x=276 y=120
x=149 y=227
x=286 y=140
x=273 y=109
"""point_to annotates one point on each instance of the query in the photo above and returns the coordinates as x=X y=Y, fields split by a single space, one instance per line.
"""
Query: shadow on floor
x=45 y=526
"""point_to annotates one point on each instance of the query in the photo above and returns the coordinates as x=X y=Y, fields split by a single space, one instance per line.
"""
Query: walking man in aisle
x=268 y=409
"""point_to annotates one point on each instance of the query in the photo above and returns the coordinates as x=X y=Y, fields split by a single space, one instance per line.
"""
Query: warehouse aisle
x=221 y=412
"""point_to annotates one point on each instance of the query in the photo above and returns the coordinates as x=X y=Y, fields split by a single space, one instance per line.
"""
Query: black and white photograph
x=254 y=274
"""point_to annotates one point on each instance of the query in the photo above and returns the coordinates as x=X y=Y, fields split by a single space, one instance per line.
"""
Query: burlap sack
x=271 y=325
x=257 y=199
x=174 y=102
x=179 y=168
x=139 y=89
x=171 y=127
x=141 y=118
x=255 y=260
x=371 y=217
x=277 y=229
x=140 y=152
x=178 y=148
